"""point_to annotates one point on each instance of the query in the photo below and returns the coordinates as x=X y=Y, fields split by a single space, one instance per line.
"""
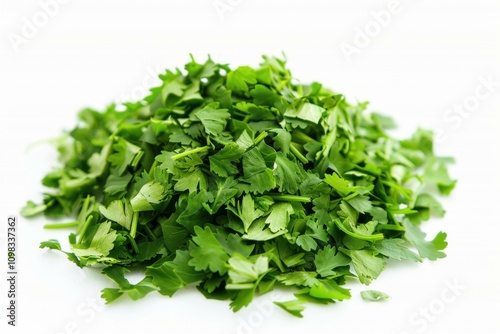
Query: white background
x=429 y=56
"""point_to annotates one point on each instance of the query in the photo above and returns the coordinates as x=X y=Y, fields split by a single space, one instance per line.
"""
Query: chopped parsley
x=240 y=180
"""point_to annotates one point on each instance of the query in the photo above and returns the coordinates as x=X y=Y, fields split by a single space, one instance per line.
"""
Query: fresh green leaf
x=238 y=79
x=431 y=250
x=367 y=266
x=214 y=120
x=101 y=244
x=294 y=307
x=395 y=249
x=208 y=253
x=373 y=295
x=328 y=259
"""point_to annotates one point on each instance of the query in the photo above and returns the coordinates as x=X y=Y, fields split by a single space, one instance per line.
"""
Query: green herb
x=241 y=180
x=373 y=295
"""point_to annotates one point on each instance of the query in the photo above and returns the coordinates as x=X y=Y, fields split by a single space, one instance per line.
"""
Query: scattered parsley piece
x=294 y=307
x=373 y=295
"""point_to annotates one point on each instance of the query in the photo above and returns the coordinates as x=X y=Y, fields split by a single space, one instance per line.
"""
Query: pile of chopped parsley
x=240 y=180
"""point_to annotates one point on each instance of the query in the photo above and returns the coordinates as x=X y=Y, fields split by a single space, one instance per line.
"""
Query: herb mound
x=238 y=181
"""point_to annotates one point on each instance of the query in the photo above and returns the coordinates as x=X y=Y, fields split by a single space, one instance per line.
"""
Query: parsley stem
x=153 y=166
x=149 y=232
x=193 y=151
x=299 y=155
x=289 y=198
x=300 y=137
x=63 y=225
x=84 y=228
x=373 y=237
x=260 y=137
x=133 y=227
x=133 y=243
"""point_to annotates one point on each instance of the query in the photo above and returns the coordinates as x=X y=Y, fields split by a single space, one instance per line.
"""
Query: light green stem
x=133 y=227
x=289 y=198
x=84 y=228
x=62 y=225
x=299 y=155
x=193 y=151
x=133 y=243
x=260 y=137
x=372 y=237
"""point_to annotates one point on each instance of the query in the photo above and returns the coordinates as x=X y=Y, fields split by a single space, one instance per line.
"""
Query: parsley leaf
x=238 y=79
x=328 y=259
x=207 y=252
x=373 y=295
x=428 y=249
x=213 y=118
x=101 y=244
